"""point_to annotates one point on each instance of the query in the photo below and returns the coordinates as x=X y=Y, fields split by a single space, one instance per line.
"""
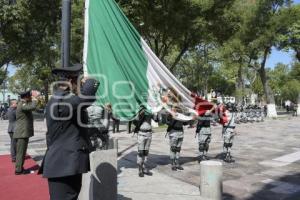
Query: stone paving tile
x=254 y=176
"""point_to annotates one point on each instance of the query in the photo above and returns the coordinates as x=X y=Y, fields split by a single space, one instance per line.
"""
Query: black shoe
x=173 y=167
x=18 y=173
x=141 y=172
x=177 y=164
x=24 y=171
x=229 y=159
x=147 y=171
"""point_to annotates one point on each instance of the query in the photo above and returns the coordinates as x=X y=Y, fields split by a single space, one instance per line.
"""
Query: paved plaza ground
x=267 y=163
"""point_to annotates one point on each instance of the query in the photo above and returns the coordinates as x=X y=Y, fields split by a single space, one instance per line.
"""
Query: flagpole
x=65 y=35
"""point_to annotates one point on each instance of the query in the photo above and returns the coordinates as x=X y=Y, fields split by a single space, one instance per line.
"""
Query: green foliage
x=291 y=90
x=207 y=44
x=174 y=27
x=24 y=80
x=290 y=37
x=285 y=81
x=26 y=28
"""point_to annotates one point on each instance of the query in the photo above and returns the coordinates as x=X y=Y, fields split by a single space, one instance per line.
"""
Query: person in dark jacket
x=67 y=155
x=11 y=115
x=24 y=127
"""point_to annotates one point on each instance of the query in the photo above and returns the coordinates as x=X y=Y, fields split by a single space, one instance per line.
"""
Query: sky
x=296 y=1
x=279 y=57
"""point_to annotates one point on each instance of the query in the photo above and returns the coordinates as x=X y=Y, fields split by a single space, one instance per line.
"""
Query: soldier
x=24 y=127
x=228 y=131
x=11 y=115
x=98 y=122
x=67 y=155
x=203 y=132
x=143 y=130
x=115 y=120
x=176 y=133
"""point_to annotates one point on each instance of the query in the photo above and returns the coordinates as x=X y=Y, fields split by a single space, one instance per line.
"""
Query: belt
x=146 y=131
x=229 y=126
x=177 y=129
x=204 y=126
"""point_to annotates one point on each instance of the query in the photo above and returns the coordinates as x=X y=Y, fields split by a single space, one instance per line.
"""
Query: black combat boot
x=173 y=167
x=228 y=158
x=178 y=166
x=141 y=172
x=146 y=171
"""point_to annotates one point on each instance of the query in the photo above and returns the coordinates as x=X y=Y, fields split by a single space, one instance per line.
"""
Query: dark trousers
x=129 y=127
x=65 y=188
x=13 y=147
x=22 y=144
x=116 y=125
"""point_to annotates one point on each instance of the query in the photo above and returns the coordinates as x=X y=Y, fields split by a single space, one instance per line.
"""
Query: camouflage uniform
x=228 y=135
x=144 y=135
x=203 y=132
x=98 y=123
x=176 y=133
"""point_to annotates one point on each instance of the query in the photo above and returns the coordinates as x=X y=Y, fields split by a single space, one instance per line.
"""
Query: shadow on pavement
x=227 y=196
x=285 y=188
x=106 y=189
x=121 y=197
x=154 y=160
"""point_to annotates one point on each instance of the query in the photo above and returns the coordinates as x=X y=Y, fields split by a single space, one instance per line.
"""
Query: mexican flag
x=130 y=74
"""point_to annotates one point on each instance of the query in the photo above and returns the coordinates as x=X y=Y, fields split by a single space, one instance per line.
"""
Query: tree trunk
x=267 y=90
x=46 y=89
x=271 y=108
x=239 y=86
x=183 y=50
x=298 y=54
x=298 y=109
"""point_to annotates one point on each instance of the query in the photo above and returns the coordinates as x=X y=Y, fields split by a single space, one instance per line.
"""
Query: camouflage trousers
x=228 y=135
x=144 y=141
x=176 y=140
x=204 y=138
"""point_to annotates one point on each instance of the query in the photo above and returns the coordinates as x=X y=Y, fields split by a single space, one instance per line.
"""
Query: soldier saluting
x=24 y=127
x=67 y=155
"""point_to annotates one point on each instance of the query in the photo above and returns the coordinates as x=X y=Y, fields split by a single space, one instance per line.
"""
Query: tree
x=291 y=90
x=175 y=27
x=23 y=80
x=30 y=36
x=26 y=27
x=260 y=34
x=290 y=38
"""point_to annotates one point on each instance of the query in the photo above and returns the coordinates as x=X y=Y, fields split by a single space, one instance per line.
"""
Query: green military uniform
x=23 y=131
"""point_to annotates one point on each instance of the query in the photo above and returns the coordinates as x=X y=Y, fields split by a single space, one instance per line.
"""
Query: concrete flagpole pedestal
x=101 y=182
x=211 y=173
